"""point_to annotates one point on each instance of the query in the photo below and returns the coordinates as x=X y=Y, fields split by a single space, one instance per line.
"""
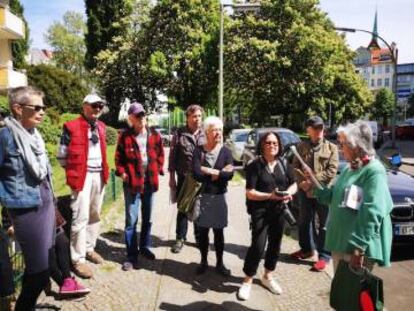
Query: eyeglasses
x=97 y=106
x=274 y=143
x=36 y=108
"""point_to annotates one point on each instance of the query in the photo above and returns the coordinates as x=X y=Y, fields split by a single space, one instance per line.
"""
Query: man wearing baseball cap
x=82 y=152
x=139 y=160
x=322 y=157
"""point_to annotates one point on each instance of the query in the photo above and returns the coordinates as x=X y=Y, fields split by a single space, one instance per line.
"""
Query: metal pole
x=220 y=99
x=394 y=52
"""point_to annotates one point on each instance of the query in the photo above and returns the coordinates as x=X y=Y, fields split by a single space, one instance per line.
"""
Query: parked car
x=401 y=186
x=165 y=137
x=287 y=138
x=405 y=130
x=236 y=141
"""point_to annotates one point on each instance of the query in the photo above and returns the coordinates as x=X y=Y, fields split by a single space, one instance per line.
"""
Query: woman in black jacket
x=213 y=166
x=268 y=186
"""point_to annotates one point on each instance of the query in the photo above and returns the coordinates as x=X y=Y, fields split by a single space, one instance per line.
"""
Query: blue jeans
x=133 y=202
x=312 y=233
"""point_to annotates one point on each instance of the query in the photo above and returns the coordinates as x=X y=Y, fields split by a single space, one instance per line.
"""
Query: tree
x=410 y=110
x=383 y=105
x=63 y=90
x=103 y=25
x=180 y=42
x=287 y=60
x=20 y=47
x=120 y=67
x=68 y=42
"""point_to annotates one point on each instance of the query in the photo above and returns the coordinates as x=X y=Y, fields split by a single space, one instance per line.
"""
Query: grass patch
x=238 y=178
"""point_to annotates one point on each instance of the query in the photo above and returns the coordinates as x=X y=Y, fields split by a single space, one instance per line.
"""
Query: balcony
x=10 y=78
x=11 y=26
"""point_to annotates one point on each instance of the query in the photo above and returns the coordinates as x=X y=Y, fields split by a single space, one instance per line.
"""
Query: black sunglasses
x=97 y=106
x=36 y=107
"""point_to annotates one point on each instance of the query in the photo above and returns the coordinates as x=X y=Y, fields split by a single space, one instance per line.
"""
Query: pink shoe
x=72 y=288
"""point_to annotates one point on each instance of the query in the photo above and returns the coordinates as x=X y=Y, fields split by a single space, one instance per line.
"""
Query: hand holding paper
x=307 y=169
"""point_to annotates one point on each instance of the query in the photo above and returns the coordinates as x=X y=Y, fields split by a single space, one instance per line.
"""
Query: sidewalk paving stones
x=170 y=282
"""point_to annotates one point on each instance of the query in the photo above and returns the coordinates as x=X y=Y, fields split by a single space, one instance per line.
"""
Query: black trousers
x=6 y=271
x=203 y=243
x=59 y=259
x=267 y=226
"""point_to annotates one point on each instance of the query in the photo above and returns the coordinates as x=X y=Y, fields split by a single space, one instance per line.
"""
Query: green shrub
x=4 y=104
x=50 y=131
x=111 y=135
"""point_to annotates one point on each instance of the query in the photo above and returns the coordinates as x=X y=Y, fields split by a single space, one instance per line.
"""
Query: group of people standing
x=196 y=149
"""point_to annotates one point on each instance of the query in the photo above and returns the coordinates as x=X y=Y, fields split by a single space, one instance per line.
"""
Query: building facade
x=11 y=28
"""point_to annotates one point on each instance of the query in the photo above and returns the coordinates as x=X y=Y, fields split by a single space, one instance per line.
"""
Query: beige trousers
x=86 y=207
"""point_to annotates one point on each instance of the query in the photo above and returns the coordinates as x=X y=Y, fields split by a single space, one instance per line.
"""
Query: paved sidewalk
x=170 y=282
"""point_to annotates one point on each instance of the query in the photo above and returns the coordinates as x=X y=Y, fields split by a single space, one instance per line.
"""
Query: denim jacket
x=18 y=189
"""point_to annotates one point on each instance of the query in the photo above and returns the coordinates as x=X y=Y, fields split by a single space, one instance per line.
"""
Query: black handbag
x=348 y=284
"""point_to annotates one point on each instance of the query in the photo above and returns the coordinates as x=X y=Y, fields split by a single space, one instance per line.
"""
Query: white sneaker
x=244 y=291
x=272 y=285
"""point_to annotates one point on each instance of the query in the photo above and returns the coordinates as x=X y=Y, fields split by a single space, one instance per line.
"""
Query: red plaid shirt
x=128 y=160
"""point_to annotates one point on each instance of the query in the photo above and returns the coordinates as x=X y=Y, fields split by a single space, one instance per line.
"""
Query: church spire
x=374 y=41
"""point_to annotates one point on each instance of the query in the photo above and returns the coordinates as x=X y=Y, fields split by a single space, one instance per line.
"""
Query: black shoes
x=202 y=268
x=177 y=247
x=221 y=269
x=147 y=253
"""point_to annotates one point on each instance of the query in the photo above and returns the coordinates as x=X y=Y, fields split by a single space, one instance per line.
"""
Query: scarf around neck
x=31 y=147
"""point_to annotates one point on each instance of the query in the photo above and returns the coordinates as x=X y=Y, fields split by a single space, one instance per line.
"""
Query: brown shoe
x=82 y=270
x=94 y=257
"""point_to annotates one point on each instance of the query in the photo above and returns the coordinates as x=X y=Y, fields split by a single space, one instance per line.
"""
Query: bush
x=63 y=90
x=111 y=135
x=4 y=105
x=50 y=130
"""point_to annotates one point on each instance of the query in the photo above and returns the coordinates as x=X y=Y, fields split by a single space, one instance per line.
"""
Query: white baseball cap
x=92 y=98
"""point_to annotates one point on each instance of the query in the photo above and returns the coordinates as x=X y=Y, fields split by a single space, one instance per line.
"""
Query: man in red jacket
x=139 y=160
x=82 y=152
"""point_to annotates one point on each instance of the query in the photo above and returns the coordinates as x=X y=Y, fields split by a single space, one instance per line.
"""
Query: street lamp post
x=240 y=8
x=394 y=57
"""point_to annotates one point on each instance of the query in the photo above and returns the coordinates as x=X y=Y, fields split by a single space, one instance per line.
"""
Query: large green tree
x=63 y=90
x=287 y=60
x=120 y=67
x=181 y=51
x=67 y=38
x=20 y=47
x=383 y=105
x=103 y=25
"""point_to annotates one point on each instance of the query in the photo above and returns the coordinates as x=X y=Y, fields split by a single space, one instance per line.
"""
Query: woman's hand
x=228 y=168
x=124 y=177
x=274 y=197
x=357 y=259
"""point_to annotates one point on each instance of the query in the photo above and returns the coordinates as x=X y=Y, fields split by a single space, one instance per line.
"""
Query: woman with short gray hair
x=26 y=189
x=213 y=167
x=359 y=230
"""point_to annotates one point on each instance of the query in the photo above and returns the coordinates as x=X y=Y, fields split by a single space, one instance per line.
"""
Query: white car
x=236 y=141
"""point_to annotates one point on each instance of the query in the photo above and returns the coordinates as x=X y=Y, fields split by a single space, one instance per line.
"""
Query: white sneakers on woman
x=271 y=284
x=244 y=291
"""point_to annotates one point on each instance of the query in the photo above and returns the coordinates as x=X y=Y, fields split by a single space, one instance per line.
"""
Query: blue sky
x=395 y=20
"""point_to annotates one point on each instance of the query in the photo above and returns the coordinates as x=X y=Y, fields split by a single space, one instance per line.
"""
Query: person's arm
x=172 y=161
x=328 y=174
x=227 y=172
x=120 y=159
x=63 y=147
x=199 y=172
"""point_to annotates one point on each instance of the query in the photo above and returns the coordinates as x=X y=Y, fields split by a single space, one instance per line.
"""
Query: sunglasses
x=274 y=143
x=97 y=106
x=36 y=107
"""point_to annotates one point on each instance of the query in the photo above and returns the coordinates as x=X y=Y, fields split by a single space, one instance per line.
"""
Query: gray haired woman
x=26 y=191
x=359 y=230
x=213 y=166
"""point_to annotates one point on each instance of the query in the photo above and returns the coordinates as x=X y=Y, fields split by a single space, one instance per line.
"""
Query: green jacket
x=370 y=227
x=323 y=159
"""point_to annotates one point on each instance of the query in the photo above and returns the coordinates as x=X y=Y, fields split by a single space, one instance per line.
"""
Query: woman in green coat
x=359 y=228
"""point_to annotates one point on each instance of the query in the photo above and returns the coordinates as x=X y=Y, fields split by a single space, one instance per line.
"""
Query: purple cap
x=136 y=109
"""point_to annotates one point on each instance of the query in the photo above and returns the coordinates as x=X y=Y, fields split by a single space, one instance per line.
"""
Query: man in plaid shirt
x=139 y=160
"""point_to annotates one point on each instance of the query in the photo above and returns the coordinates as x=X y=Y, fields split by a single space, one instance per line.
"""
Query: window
x=379 y=82
x=387 y=82
x=372 y=82
x=373 y=69
x=379 y=69
x=387 y=68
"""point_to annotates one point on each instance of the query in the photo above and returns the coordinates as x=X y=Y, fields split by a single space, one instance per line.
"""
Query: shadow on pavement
x=204 y=306
x=287 y=259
